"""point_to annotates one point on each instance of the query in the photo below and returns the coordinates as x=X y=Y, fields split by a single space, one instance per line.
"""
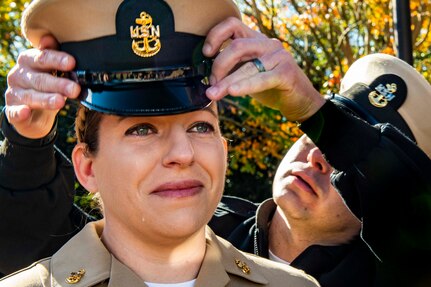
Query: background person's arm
x=36 y=200
x=36 y=180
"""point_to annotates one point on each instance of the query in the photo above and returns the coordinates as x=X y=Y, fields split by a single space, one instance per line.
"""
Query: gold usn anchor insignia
x=75 y=277
x=146 y=42
x=382 y=95
x=243 y=266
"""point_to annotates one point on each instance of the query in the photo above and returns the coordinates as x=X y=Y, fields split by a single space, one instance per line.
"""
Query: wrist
x=15 y=137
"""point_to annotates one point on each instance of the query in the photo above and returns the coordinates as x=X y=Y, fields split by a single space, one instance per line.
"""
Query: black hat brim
x=148 y=99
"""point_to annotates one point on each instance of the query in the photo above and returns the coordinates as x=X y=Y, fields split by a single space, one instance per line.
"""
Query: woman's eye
x=141 y=130
x=202 y=128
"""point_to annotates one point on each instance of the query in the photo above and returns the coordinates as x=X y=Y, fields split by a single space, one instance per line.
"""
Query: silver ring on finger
x=259 y=65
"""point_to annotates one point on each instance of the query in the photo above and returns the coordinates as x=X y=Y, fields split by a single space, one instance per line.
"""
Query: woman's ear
x=83 y=165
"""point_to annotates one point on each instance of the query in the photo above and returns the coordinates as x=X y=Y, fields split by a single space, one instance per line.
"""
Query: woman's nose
x=180 y=151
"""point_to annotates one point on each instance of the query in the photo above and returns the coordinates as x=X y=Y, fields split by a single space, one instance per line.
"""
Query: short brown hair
x=87 y=124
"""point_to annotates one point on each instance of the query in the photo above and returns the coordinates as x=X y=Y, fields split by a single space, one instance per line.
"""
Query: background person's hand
x=34 y=95
x=282 y=86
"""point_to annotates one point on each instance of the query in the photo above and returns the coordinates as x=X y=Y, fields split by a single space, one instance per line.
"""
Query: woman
x=156 y=206
x=149 y=143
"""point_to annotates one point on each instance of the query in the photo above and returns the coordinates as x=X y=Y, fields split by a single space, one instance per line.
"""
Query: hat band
x=99 y=78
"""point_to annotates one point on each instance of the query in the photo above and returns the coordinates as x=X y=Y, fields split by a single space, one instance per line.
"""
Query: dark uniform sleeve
x=385 y=179
x=37 y=215
x=234 y=220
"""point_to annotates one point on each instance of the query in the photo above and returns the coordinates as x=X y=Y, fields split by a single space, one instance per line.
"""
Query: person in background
x=305 y=224
x=377 y=170
x=350 y=145
x=374 y=187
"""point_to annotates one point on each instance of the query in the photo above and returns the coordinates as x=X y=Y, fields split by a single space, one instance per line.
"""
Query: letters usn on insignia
x=145 y=36
x=382 y=95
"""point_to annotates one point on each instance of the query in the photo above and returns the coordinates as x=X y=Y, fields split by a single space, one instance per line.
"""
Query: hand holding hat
x=283 y=85
x=133 y=57
x=34 y=95
x=268 y=72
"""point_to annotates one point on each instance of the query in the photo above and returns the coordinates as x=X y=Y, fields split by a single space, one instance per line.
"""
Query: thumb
x=48 y=42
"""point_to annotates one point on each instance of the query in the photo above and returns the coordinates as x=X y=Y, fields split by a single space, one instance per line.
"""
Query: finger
x=42 y=82
x=17 y=114
x=240 y=51
x=245 y=73
x=34 y=99
x=231 y=28
x=253 y=85
x=46 y=60
x=247 y=79
x=48 y=42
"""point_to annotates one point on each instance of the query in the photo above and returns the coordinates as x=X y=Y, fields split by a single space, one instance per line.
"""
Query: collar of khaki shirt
x=86 y=251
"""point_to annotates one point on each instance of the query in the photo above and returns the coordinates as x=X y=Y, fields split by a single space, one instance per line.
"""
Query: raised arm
x=36 y=180
x=383 y=177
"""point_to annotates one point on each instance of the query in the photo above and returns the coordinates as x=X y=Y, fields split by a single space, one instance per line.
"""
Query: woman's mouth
x=179 y=189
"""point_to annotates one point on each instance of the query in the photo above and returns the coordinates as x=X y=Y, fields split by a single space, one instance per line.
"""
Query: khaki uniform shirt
x=223 y=265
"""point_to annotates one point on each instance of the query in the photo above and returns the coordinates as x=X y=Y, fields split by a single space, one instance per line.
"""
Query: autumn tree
x=327 y=36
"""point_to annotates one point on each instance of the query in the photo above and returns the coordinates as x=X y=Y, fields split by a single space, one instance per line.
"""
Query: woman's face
x=161 y=176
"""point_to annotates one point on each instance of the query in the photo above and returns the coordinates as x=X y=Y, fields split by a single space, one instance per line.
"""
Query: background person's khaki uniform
x=219 y=268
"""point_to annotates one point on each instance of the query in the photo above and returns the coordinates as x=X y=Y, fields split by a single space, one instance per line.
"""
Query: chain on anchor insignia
x=145 y=36
x=382 y=95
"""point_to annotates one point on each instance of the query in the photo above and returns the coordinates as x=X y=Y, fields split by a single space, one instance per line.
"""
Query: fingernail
x=212 y=91
x=65 y=62
x=70 y=89
x=213 y=80
x=52 y=102
x=206 y=49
